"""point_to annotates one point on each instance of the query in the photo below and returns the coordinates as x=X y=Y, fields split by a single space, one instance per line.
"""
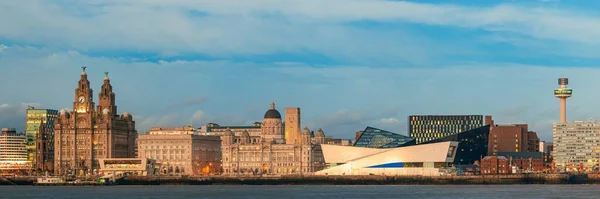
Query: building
x=88 y=133
x=270 y=154
x=546 y=149
x=512 y=138
x=524 y=162
x=133 y=166
x=425 y=160
x=13 y=152
x=494 y=165
x=424 y=128
x=472 y=145
x=181 y=151
x=39 y=130
x=376 y=138
x=213 y=129
x=292 y=125
x=576 y=146
x=562 y=93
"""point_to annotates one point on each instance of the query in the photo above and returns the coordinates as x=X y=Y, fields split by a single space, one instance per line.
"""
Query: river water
x=305 y=192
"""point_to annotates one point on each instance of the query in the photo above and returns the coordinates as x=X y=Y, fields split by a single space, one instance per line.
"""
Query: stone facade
x=292 y=125
x=180 y=151
x=270 y=155
x=89 y=133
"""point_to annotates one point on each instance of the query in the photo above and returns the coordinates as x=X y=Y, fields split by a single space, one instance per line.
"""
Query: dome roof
x=64 y=112
x=272 y=112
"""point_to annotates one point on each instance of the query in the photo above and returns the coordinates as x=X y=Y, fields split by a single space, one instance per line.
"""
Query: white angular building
x=426 y=159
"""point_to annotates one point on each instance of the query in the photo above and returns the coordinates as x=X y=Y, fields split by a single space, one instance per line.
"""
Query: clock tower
x=88 y=133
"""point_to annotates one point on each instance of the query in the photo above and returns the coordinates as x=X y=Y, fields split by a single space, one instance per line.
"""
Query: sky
x=347 y=64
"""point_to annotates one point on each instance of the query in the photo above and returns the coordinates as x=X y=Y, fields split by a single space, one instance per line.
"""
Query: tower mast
x=562 y=93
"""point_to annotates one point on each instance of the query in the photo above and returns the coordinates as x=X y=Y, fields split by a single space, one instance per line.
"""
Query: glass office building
x=425 y=128
x=36 y=118
x=377 y=138
x=472 y=144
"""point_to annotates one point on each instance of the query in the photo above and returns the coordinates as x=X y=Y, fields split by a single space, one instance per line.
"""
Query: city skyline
x=368 y=65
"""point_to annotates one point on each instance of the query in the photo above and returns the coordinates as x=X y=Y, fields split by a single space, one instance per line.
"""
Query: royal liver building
x=88 y=133
x=276 y=152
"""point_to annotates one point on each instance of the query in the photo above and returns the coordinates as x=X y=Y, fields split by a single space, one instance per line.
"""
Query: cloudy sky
x=346 y=63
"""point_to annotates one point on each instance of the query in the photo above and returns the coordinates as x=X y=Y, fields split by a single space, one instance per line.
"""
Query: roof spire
x=83 y=68
x=272 y=104
x=105 y=75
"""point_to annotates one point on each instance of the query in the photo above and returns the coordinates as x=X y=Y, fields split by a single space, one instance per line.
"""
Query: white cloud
x=389 y=121
x=3 y=47
x=170 y=27
x=198 y=118
x=341 y=100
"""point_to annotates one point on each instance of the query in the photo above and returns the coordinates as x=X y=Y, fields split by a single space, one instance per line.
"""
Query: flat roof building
x=576 y=146
x=13 y=152
x=424 y=128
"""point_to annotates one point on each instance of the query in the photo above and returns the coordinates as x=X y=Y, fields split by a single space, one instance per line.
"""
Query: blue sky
x=346 y=63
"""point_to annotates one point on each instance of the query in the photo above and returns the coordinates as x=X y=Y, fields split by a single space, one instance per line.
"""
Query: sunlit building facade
x=13 y=152
x=424 y=160
x=180 y=151
x=424 y=128
x=40 y=121
x=269 y=153
x=576 y=146
x=90 y=132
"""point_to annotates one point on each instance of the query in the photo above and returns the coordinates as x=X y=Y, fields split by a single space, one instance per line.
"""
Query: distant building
x=494 y=165
x=269 y=154
x=39 y=130
x=524 y=162
x=512 y=138
x=213 y=129
x=472 y=144
x=13 y=152
x=88 y=133
x=180 y=151
x=576 y=146
x=376 y=138
x=292 y=125
x=424 y=128
x=425 y=159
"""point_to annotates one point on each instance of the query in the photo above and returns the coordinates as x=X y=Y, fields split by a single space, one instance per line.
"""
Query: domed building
x=272 y=126
x=276 y=152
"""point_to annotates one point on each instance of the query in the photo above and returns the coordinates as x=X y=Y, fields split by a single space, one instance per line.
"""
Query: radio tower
x=562 y=93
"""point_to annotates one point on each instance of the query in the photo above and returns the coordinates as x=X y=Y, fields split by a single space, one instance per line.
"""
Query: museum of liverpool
x=426 y=159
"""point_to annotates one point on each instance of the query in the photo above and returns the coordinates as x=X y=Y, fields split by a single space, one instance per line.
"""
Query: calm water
x=306 y=192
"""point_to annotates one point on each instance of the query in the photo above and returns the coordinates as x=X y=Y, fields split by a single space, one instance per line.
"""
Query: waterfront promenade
x=345 y=180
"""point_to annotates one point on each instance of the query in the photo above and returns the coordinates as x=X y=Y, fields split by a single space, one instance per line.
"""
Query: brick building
x=493 y=165
x=512 y=138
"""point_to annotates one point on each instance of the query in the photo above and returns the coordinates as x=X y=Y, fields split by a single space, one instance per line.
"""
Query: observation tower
x=562 y=93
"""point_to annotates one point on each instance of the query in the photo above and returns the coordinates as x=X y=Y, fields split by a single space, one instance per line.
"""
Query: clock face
x=81 y=99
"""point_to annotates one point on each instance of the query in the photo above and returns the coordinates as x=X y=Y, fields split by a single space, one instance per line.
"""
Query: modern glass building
x=36 y=118
x=425 y=128
x=576 y=146
x=377 y=138
x=472 y=144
